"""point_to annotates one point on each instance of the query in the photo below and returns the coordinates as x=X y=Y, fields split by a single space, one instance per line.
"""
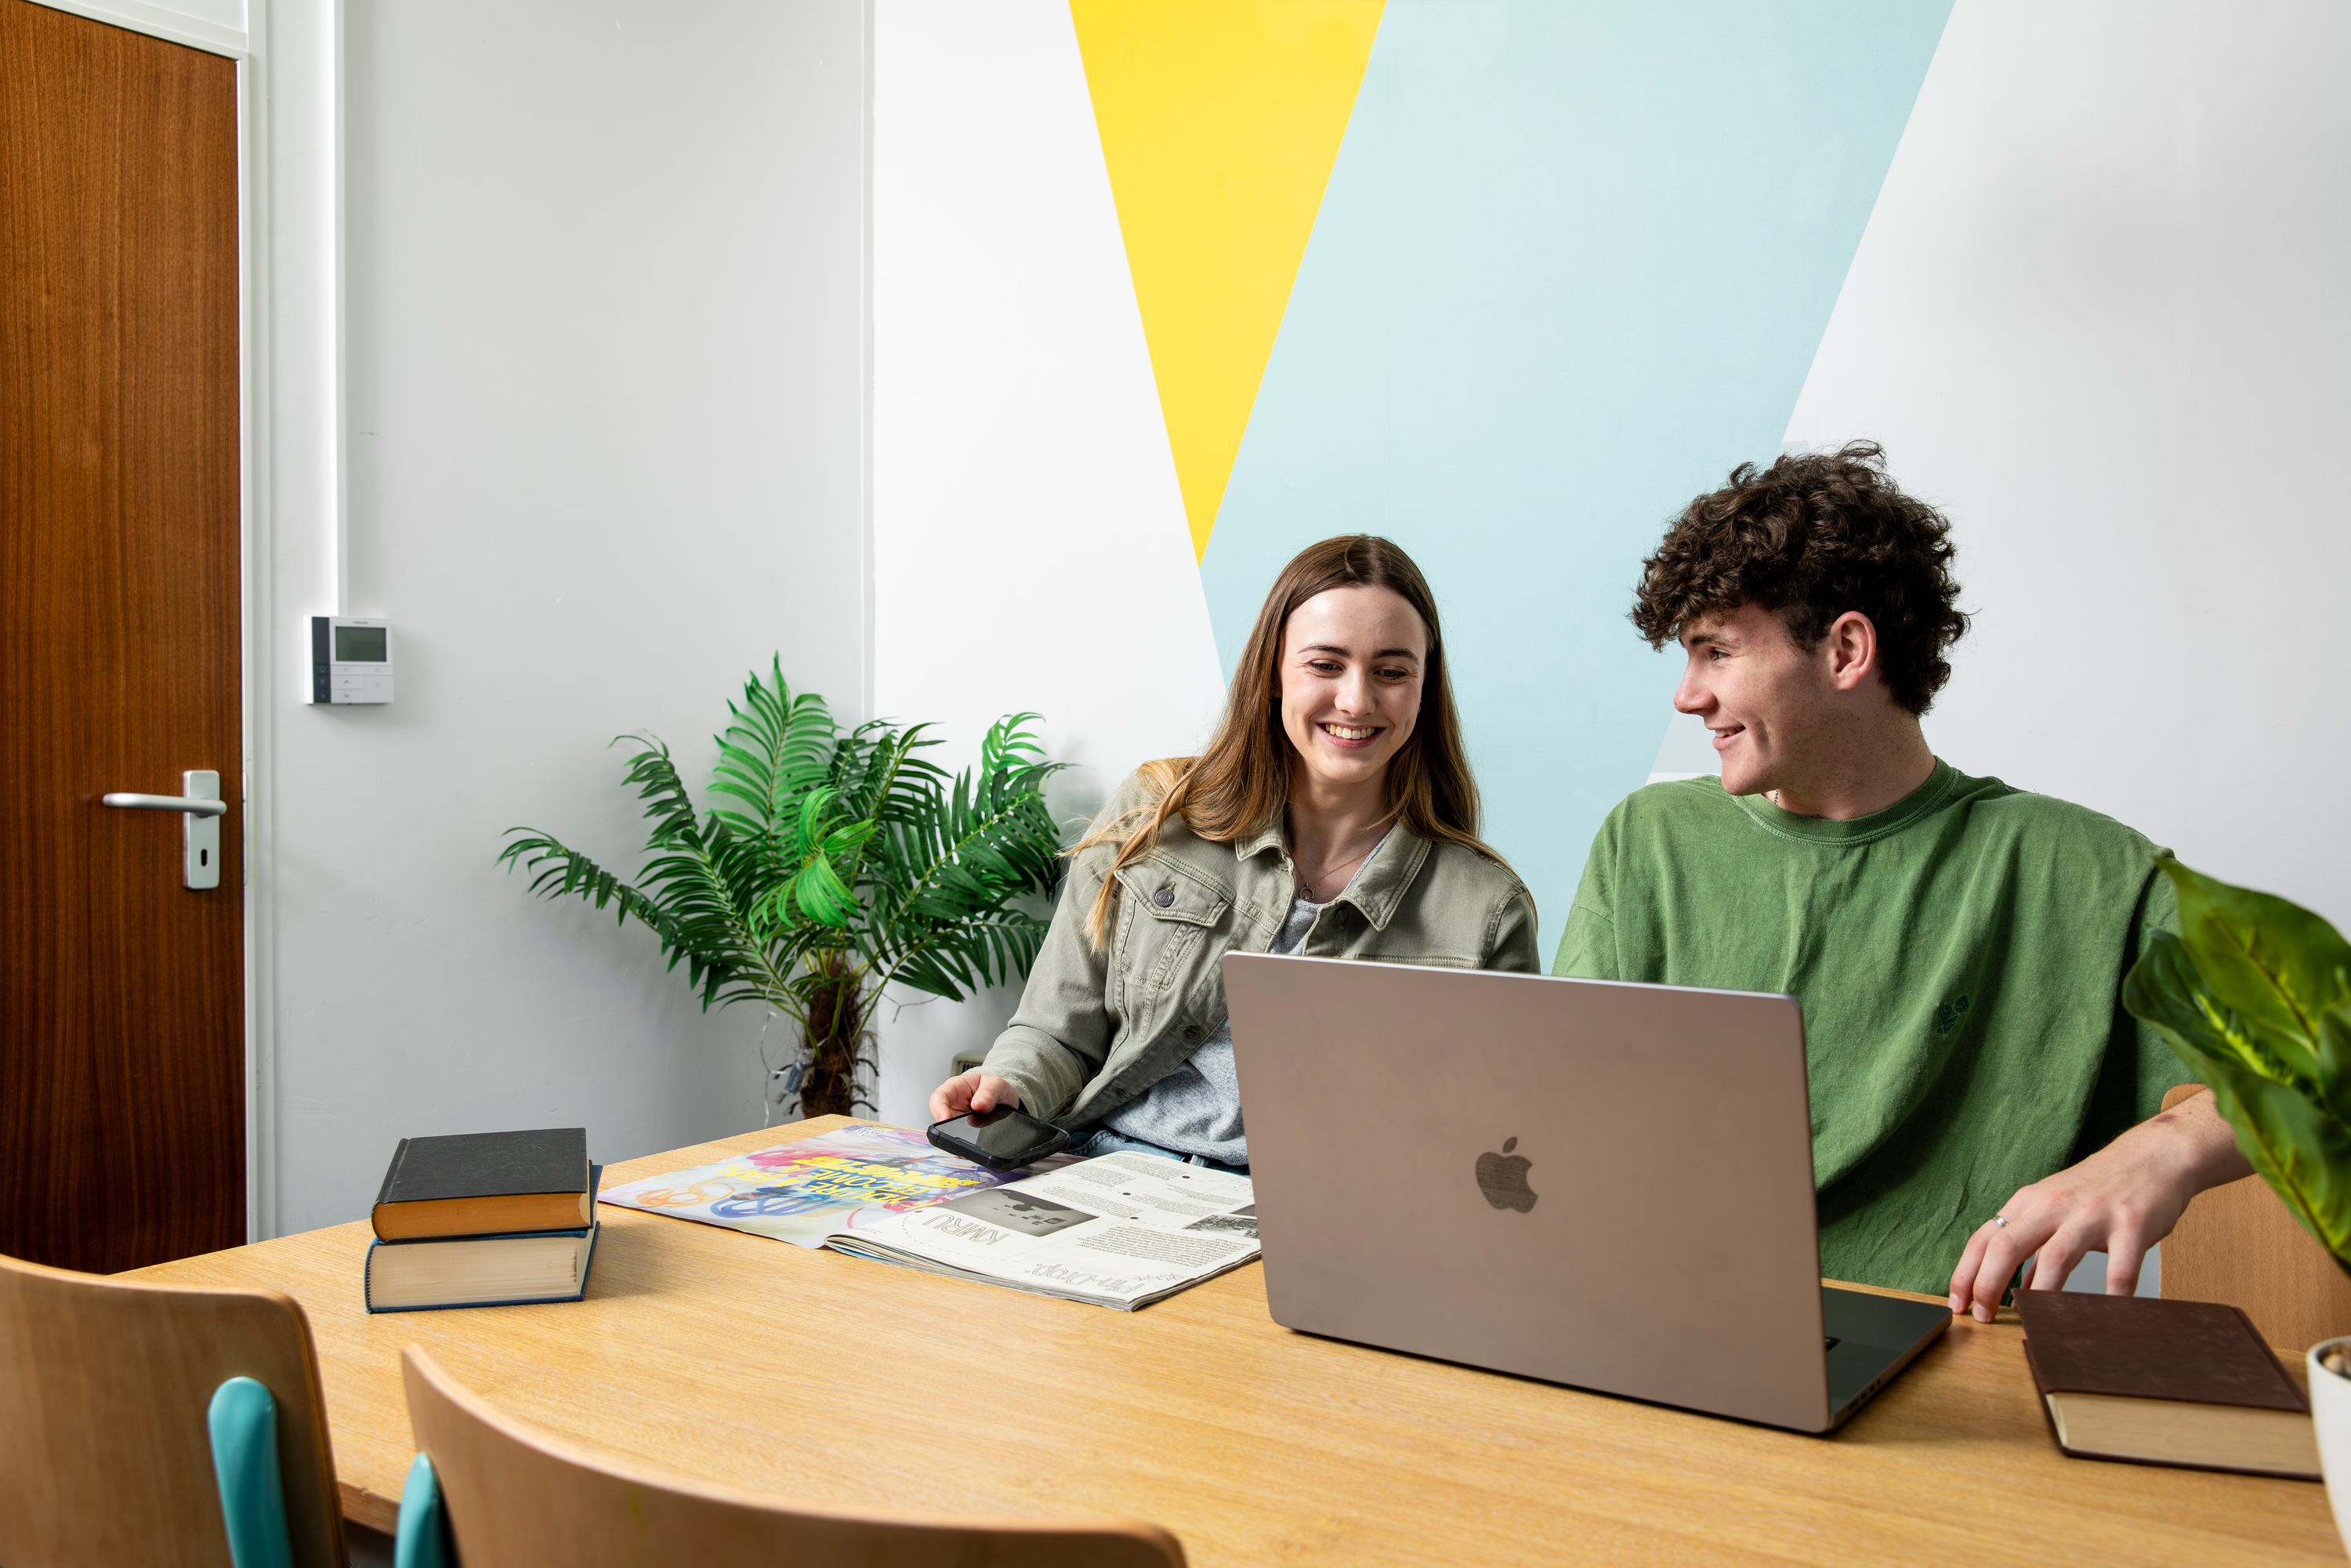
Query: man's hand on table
x=2120 y=1201
x=972 y=1091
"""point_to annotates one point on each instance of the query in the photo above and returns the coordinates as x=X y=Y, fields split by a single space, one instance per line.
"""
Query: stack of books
x=480 y=1219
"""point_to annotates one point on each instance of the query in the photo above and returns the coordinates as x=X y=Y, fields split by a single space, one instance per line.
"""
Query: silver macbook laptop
x=1602 y=1185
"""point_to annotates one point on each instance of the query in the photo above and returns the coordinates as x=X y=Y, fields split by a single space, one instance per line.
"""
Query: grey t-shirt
x=1196 y=1108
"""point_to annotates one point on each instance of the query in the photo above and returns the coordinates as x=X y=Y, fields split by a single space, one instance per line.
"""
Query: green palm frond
x=685 y=908
x=830 y=858
x=961 y=857
x=779 y=747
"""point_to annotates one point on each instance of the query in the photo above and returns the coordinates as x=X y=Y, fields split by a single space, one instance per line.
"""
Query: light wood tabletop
x=839 y=1381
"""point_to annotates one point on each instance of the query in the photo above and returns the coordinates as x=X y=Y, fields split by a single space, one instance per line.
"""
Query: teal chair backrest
x=423 y=1540
x=244 y=1421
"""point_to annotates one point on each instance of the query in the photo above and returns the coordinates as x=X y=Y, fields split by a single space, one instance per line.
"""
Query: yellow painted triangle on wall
x=1220 y=121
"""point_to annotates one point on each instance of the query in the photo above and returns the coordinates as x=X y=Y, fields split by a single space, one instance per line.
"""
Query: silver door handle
x=167 y=803
x=199 y=829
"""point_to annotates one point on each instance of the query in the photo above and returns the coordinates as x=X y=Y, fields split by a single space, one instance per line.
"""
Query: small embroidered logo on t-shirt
x=1947 y=1016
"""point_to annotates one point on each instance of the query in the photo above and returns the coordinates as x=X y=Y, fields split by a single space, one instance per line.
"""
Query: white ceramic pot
x=2330 y=1409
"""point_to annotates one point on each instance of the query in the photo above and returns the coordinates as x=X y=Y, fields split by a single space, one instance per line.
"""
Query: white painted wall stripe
x=1029 y=543
x=2098 y=317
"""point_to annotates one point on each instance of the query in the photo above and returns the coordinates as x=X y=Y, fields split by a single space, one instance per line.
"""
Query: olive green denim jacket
x=1094 y=1029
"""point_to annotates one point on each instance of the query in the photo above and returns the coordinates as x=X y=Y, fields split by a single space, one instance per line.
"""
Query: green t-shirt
x=1960 y=958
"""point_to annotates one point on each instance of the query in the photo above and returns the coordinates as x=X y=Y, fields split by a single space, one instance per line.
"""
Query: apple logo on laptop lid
x=1502 y=1177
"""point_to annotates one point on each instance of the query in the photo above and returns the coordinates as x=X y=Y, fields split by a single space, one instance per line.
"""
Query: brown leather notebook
x=2152 y=1382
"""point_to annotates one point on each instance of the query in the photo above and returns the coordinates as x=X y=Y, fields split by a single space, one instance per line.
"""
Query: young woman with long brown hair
x=1332 y=815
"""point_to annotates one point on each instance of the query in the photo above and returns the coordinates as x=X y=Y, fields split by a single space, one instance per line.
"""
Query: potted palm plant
x=2254 y=995
x=833 y=865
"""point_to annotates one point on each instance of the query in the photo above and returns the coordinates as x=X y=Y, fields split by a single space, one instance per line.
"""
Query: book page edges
x=483 y=1215
x=585 y=1257
x=2181 y=1432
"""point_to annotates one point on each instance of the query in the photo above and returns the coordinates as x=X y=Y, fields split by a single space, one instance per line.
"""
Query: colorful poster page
x=852 y=1178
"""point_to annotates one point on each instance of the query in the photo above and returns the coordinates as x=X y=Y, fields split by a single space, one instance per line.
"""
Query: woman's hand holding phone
x=969 y=1092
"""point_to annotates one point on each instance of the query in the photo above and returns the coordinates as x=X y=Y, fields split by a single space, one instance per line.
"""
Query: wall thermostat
x=350 y=660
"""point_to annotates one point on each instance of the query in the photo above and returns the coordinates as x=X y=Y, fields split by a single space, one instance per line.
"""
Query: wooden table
x=836 y=1380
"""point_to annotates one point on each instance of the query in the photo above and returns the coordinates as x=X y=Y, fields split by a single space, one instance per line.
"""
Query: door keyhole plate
x=200 y=835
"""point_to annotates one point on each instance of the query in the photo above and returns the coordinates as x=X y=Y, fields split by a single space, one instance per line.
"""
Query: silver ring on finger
x=2000 y=1220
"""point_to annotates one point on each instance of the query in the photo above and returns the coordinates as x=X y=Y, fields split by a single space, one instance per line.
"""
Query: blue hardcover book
x=514 y=1270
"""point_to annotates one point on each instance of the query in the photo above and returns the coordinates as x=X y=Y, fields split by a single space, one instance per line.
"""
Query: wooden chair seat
x=519 y=1497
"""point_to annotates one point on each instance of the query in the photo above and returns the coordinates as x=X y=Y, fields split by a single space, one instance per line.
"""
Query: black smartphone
x=1002 y=1139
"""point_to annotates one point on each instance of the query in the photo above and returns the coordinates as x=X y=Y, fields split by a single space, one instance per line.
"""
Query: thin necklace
x=1306 y=886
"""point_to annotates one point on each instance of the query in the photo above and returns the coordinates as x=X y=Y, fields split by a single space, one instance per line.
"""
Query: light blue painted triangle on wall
x=1572 y=267
x=1686 y=752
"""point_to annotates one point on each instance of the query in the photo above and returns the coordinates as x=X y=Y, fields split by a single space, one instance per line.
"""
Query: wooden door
x=122 y=1006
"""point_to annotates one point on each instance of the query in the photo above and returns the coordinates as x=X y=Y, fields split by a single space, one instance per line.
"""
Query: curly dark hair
x=1812 y=537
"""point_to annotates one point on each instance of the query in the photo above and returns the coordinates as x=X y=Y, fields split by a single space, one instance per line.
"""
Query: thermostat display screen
x=360 y=644
x=350 y=659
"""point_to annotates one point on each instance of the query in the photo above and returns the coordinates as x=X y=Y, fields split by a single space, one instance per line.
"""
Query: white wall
x=1029 y=543
x=605 y=381
x=2099 y=317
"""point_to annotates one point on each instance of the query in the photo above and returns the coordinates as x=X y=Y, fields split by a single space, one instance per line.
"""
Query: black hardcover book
x=473 y=1183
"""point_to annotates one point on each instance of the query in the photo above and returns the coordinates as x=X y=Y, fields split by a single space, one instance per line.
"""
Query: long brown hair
x=1242 y=782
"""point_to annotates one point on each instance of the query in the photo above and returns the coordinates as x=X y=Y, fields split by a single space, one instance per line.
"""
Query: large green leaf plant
x=830 y=866
x=2254 y=995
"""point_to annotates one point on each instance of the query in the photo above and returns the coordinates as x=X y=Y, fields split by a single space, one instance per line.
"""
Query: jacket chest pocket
x=1165 y=919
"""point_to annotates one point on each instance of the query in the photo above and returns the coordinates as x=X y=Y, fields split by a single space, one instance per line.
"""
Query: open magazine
x=855 y=1175
x=1121 y=1231
x=1124 y=1232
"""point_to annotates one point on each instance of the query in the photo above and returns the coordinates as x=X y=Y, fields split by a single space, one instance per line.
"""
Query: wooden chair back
x=519 y=1497
x=106 y=1457
x=2238 y=1244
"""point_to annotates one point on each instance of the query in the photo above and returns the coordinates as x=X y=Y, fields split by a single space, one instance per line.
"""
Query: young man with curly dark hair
x=1979 y=1095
